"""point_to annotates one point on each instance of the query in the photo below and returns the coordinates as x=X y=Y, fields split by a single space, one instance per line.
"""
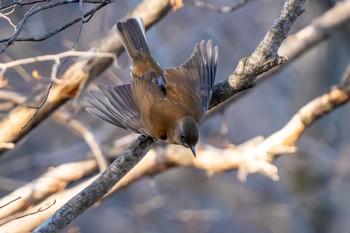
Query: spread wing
x=116 y=106
x=198 y=72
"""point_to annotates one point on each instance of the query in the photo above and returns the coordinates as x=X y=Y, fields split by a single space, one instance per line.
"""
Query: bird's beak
x=193 y=149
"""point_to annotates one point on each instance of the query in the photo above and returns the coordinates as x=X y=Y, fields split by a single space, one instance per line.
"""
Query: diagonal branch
x=264 y=57
x=95 y=191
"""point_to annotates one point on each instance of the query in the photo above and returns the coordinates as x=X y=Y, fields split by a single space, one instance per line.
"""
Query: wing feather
x=146 y=92
x=116 y=106
x=198 y=72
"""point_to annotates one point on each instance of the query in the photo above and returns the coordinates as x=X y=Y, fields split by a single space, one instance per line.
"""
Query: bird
x=165 y=104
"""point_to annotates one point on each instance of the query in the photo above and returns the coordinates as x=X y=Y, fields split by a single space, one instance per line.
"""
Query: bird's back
x=163 y=112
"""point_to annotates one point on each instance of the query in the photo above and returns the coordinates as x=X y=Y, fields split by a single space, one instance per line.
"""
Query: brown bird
x=163 y=104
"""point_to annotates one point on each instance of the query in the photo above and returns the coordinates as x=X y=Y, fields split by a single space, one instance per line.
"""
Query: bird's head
x=187 y=133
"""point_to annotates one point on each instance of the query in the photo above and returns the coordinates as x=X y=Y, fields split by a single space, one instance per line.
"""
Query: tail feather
x=132 y=34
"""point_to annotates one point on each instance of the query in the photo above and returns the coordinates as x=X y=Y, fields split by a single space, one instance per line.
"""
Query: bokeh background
x=312 y=195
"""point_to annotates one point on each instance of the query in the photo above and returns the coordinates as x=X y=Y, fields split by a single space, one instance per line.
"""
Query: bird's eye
x=182 y=138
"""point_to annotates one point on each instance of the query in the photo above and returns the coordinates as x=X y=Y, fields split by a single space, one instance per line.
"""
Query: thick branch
x=264 y=58
x=95 y=191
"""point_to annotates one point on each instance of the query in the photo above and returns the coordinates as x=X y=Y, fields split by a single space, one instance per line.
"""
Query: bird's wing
x=198 y=72
x=146 y=92
x=116 y=106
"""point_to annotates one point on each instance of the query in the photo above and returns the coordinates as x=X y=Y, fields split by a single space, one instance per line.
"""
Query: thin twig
x=102 y=4
x=18 y=216
x=76 y=39
x=5 y=16
x=37 y=108
x=38 y=211
x=8 y=203
x=52 y=57
x=19 y=3
x=19 y=26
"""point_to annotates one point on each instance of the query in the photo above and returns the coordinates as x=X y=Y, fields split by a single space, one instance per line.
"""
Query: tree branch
x=264 y=58
x=95 y=191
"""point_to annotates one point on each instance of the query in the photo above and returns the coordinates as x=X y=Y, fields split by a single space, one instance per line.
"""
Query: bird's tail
x=132 y=34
